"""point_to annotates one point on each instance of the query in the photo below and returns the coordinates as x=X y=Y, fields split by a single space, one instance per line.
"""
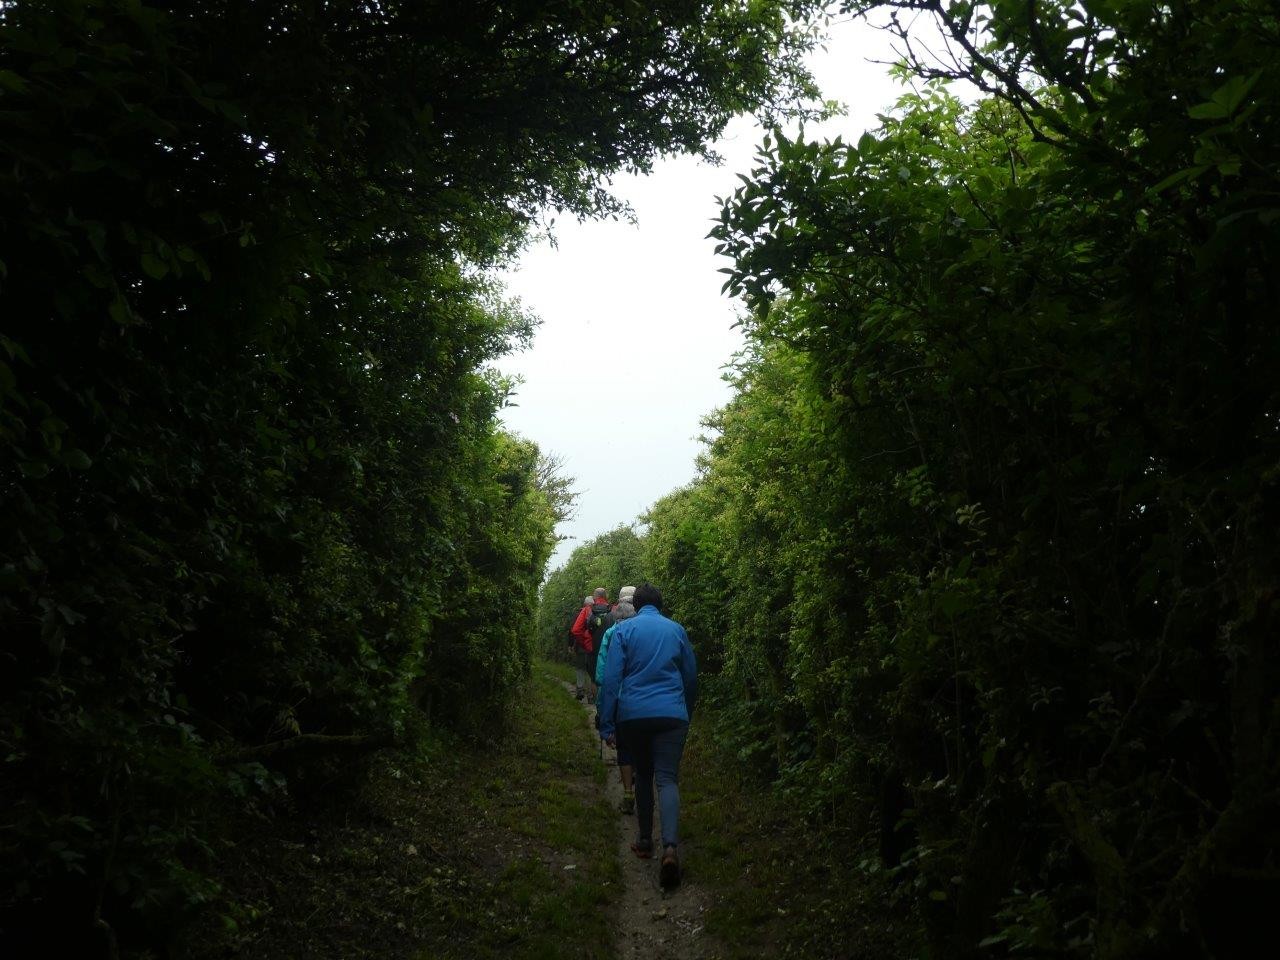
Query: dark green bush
x=611 y=560
x=989 y=523
x=252 y=486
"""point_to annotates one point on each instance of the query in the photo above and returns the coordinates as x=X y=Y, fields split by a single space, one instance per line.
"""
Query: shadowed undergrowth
x=782 y=889
x=481 y=849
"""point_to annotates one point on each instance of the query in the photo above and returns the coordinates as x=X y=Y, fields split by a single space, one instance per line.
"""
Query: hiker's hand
x=612 y=740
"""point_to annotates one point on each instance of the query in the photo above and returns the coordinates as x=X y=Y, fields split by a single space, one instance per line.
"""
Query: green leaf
x=153 y=266
x=119 y=311
x=77 y=459
x=1232 y=93
x=12 y=81
x=1226 y=100
x=1190 y=173
x=72 y=617
x=1209 y=110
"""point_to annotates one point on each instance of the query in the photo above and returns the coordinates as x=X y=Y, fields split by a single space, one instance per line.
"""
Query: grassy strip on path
x=460 y=850
x=781 y=889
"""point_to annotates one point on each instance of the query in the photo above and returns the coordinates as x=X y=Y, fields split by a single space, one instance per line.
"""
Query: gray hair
x=626 y=593
x=601 y=592
x=623 y=610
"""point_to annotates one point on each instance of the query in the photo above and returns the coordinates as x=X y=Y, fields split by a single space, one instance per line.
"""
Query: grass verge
x=782 y=888
x=459 y=850
x=559 y=669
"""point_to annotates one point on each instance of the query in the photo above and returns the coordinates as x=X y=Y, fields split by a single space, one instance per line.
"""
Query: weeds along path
x=499 y=848
x=647 y=922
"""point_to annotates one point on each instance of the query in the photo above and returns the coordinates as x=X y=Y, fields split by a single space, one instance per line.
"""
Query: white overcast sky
x=635 y=331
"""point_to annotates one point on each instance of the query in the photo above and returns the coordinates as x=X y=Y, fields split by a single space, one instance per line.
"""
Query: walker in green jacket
x=603 y=654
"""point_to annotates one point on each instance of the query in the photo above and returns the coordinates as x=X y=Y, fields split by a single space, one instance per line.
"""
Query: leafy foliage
x=988 y=527
x=611 y=560
x=253 y=489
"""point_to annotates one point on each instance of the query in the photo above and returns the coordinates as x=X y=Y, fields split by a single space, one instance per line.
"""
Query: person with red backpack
x=592 y=621
x=579 y=680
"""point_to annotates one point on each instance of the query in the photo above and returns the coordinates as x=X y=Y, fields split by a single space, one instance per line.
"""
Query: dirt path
x=458 y=850
x=649 y=923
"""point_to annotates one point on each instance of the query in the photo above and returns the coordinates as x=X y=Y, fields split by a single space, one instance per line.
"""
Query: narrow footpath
x=649 y=923
x=510 y=848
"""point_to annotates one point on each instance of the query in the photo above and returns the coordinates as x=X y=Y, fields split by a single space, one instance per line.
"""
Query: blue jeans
x=655 y=745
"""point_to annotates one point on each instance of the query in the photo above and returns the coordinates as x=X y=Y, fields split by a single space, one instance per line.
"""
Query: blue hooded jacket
x=650 y=671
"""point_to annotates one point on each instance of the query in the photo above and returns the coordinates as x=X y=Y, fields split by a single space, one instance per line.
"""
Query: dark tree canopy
x=252 y=481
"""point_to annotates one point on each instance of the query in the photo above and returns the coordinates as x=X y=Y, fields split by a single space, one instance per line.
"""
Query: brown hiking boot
x=627 y=804
x=669 y=872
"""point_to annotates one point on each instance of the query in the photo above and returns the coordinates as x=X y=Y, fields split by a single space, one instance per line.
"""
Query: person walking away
x=622 y=610
x=627 y=594
x=587 y=630
x=580 y=678
x=649 y=691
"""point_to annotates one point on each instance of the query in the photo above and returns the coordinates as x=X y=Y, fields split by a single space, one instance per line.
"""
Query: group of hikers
x=638 y=669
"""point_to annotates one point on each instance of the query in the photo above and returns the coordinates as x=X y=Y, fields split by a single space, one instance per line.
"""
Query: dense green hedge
x=983 y=555
x=250 y=476
x=611 y=560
